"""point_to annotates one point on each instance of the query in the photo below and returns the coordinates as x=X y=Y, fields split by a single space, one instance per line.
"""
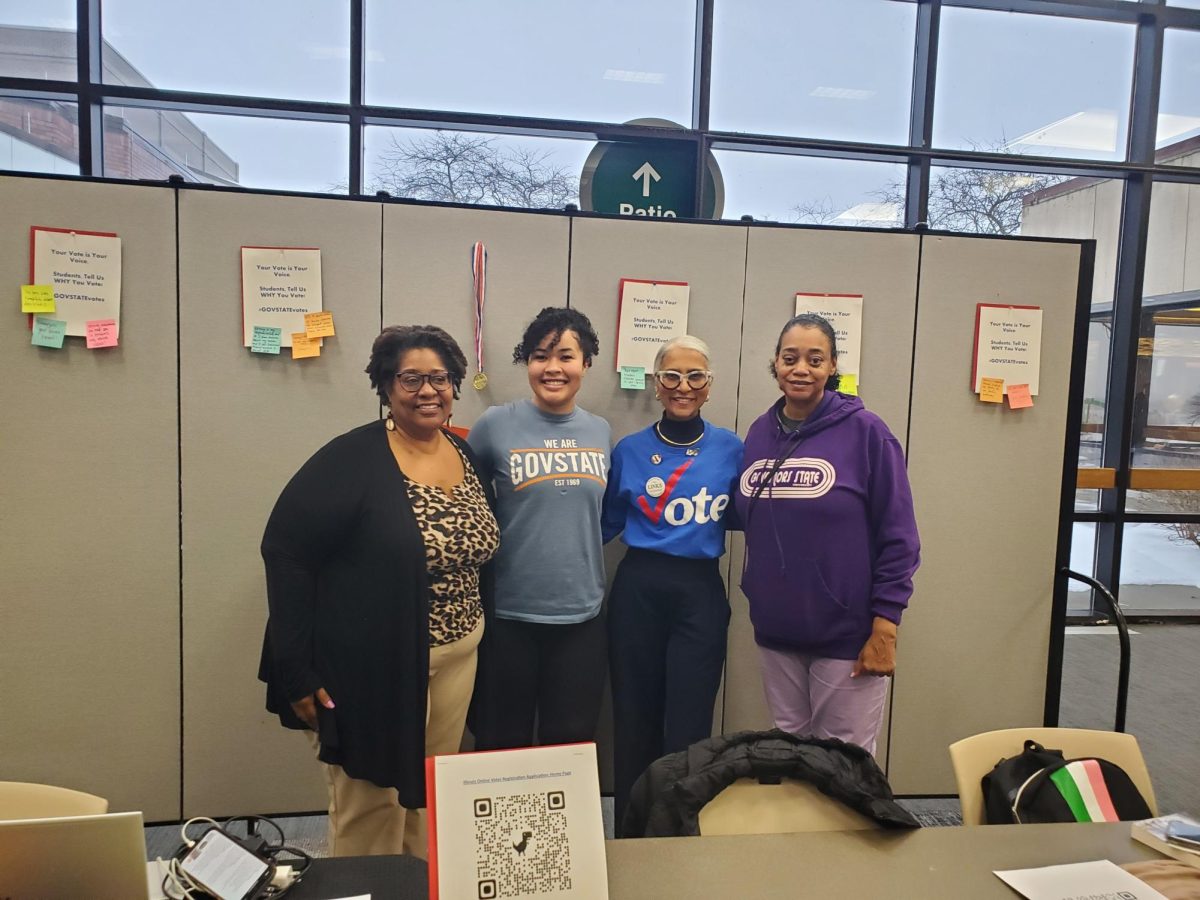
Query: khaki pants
x=365 y=819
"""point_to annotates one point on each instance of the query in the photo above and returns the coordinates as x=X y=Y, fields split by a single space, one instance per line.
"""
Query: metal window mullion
x=358 y=58
x=89 y=66
x=920 y=122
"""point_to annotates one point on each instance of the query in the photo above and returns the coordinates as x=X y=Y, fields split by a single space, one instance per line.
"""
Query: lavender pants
x=812 y=695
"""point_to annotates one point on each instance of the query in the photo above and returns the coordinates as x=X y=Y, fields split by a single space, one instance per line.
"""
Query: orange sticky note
x=304 y=347
x=101 y=333
x=991 y=390
x=318 y=324
x=1019 y=396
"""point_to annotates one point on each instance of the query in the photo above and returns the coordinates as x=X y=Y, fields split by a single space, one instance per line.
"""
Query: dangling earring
x=389 y=423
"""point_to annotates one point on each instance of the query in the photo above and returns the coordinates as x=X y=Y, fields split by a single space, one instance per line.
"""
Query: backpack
x=1041 y=786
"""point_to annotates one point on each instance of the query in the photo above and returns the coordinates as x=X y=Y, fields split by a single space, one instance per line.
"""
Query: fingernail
x=329 y=704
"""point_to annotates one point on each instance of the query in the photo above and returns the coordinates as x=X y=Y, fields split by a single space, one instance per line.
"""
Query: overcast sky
x=799 y=67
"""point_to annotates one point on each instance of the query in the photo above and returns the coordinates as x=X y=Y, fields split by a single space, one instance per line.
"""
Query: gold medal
x=479 y=381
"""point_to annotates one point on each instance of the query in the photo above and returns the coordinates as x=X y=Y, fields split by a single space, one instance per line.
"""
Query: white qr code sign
x=516 y=823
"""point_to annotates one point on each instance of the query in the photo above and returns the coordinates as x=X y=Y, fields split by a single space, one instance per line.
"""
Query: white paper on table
x=85 y=269
x=1101 y=878
x=845 y=313
x=517 y=823
x=1008 y=345
x=651 y=313
x=279 y=285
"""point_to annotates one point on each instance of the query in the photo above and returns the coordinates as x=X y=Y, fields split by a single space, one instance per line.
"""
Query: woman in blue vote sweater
x=669 y=488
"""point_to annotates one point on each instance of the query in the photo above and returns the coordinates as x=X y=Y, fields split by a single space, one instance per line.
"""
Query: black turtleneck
x=678 y=432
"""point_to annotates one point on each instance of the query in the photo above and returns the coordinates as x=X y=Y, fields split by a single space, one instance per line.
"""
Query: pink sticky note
x=1019 y=396
x=101 y=333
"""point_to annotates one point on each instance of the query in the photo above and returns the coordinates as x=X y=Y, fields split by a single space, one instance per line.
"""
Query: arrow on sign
x=646 y=172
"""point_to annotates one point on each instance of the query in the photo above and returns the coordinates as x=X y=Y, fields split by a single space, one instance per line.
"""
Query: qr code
x=522 y=845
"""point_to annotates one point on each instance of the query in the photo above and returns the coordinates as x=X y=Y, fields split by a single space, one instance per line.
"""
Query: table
x=947 y=862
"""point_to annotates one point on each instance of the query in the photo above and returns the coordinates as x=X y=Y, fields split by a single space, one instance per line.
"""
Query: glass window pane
x=1160 y=569
x=39 y=136
x=470 y=167
x=1042 y=85
x=1179 y=103
x=277 y=154
x=297 y=49
x=624 y=60
x=1053 y=206
x=1083 y=561
x=37 y=40
x=775 y=188
x=814 y=68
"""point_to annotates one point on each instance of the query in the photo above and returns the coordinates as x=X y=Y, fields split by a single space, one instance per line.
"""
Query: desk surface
x=925 y=863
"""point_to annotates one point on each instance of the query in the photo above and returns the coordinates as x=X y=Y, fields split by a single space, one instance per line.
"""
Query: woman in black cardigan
x=373 y=555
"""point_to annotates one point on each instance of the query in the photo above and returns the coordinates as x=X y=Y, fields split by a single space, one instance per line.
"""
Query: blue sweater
x=678 y=505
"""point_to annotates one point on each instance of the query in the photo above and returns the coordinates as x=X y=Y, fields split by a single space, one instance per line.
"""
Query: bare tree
x=816 y=212
x=467 y=168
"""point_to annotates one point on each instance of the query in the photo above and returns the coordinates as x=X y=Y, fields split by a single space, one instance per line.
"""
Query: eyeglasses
x=696 y=379
x=412 y=381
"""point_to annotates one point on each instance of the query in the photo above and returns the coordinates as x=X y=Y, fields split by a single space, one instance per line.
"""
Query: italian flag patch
x=1081 y=784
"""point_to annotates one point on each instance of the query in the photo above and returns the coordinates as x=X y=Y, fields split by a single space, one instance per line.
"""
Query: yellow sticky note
x=304 y=347
x=37 y=298
x=848 y=384
x=1019 y=396
x=318 y=324
x=991 y=390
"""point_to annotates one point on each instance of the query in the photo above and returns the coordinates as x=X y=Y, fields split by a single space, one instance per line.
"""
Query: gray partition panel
x=89 y=623
x=781 y=263
x=987 y=481
x=248 y=422
x=427 y=280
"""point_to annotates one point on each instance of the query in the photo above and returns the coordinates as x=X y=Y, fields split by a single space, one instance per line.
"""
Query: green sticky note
x=48 y=332
x=848 y=384
x=266 y=339
x=633 y=378
x=37 y=298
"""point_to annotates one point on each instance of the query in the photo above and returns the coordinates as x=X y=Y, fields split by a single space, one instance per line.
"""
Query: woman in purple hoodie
x=831 y=544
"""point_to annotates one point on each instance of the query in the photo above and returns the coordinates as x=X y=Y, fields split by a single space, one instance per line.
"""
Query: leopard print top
x=460 y=534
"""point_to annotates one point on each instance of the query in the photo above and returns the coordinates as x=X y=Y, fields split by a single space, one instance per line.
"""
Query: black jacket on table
x=666 y=800
x=348 y=595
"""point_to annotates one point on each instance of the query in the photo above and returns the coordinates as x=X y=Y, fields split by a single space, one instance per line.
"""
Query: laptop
x=67 y=858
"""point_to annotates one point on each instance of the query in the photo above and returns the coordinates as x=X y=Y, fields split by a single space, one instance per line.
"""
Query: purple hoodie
x=832 y=541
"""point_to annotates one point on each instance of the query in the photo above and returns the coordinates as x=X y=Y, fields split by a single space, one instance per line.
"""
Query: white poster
x=651 y=313
x=844 y=312
x=1008 y=345
x=516 y=823
x=85 y=269
x=279 y=285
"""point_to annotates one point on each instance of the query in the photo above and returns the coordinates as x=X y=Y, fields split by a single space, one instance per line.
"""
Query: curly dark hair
x=396 y=340
x=810 y=320
x=553 y=321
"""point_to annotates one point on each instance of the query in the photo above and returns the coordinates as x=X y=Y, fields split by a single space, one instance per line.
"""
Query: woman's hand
x=306 y=708
x=878 y=655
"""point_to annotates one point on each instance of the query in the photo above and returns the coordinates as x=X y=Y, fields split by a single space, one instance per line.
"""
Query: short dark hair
x=396 y=340
x=810 y=320
x=553 y=321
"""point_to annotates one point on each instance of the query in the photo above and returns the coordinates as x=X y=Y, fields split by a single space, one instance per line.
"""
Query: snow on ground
x=1148 y=557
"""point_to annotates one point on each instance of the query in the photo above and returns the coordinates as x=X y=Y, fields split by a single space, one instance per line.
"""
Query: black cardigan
x=348 y=596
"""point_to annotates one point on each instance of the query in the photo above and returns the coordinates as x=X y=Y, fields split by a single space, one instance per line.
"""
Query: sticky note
x=37 y=298
x=1019 y=396
x=318 y=324
x=848 y=384
x=991 y=390
x=101 y=333
x=266 y=339
x=633 y=378
x=303 y=346
x=49 y=332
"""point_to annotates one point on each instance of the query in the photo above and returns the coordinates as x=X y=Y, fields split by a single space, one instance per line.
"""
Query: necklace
x=667 y=440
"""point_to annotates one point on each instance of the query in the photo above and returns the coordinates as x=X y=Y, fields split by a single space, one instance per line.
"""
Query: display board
x=89 y=515
x=144 y=633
